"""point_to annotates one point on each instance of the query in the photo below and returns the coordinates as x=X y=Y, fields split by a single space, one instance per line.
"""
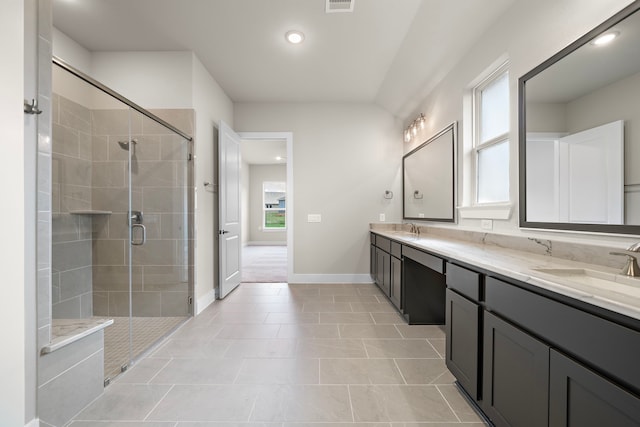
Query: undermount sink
x=600 y=284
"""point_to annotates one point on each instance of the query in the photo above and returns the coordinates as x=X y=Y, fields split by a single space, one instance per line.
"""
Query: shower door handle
x=144 y=234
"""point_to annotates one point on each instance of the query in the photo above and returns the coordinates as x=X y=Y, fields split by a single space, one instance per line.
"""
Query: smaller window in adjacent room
x=491 y=137
x=274 y=198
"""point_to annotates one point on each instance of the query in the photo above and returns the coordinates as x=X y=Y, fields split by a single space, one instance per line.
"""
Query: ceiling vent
x=339 y=6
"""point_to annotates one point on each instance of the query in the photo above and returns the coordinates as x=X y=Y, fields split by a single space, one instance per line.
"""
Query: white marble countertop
x=67 y=331
x=597 y=285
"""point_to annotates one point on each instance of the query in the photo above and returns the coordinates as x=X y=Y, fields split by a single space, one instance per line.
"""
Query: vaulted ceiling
x=389 y=52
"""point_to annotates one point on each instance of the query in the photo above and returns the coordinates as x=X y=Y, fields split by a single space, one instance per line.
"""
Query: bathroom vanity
x=532 y=340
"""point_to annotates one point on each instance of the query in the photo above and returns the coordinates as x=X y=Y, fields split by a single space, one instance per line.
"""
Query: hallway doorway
x=266 y=207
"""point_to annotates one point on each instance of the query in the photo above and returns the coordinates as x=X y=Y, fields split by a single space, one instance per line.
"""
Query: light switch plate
x=382 y=217
x=314 y=218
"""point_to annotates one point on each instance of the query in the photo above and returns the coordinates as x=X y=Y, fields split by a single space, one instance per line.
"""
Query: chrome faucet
x=413 y=228
x=631 y=268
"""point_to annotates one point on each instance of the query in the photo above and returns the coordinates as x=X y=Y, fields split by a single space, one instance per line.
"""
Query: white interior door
x=592 y=175
x=229 y=209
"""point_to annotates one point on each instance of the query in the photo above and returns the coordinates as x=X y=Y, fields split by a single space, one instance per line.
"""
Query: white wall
x=529 y=33
x=258 y=175
x=150 y=79
x=344 y=157
x=71 y=52
x=12 y=132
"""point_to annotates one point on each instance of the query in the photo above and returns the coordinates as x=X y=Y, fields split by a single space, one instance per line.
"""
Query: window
x=491 y=137
x=274 y=205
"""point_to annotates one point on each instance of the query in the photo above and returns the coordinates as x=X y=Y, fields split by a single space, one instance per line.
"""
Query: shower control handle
x=136 y=217
x=143 y=237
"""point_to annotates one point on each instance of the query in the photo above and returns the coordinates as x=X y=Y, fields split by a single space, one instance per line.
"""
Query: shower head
x=125 y=144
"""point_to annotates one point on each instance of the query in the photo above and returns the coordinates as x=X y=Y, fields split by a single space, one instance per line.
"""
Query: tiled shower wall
x=71 y=287
x=160 y=182
x=90 y=248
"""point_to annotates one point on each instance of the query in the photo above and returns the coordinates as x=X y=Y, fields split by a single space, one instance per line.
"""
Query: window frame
x=265 y=209
x=477 y=145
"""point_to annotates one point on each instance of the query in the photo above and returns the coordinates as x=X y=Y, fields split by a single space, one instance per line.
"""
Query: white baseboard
x=330 y=278
x=263 y=243
x=33 y=423
x=205 y=300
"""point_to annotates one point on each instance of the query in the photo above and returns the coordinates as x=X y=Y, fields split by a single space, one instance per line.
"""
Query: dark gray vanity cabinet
x=579 y=396
x=515 y=375
x=387 y=267
x=463 y=327
x=547 y=362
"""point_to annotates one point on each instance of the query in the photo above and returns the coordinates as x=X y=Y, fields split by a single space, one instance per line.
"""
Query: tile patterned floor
x=279 y=355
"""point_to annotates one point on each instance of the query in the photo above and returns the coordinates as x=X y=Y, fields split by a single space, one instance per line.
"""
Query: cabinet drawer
x=424 y=258
x=604 y=345
x=396 y=249
x=464 y=281
x=383 y=243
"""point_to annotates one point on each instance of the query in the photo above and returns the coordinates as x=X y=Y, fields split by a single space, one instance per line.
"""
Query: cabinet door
x=383 y=276
x=395 y=287
x=462 y=331
x=580 y=397
x=516 y=375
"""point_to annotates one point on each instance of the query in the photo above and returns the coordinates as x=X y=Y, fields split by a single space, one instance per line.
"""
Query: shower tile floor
x=280 y=355
x=146 y=331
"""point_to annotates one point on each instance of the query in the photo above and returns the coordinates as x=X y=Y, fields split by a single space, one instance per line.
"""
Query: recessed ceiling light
x=294 y=36
x=605 y=38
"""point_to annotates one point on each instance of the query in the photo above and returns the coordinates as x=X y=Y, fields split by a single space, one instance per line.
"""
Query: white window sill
x=494 y=211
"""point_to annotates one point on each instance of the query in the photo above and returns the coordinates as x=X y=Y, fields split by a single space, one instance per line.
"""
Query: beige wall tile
x=109 y=252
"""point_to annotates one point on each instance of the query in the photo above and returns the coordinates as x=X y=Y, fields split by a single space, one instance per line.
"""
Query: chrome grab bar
x=144 y=234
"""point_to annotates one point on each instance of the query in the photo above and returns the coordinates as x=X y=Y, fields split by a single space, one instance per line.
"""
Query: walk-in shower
x=122 y=196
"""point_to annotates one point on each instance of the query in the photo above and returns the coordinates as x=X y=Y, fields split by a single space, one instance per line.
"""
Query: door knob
x=222 y=232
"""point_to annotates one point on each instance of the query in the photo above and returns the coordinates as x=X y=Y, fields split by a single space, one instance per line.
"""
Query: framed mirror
x=579 y=135
x=429 y=178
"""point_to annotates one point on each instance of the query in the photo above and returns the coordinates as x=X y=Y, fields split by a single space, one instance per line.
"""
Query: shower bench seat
x=71 y=368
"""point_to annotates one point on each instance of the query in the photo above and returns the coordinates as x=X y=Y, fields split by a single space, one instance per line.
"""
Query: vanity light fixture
x=412 y=129
x=605 y=38
x=294 y=36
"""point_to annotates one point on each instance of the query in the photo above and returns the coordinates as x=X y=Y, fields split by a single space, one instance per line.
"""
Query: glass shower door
x=160 y=232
